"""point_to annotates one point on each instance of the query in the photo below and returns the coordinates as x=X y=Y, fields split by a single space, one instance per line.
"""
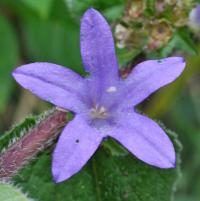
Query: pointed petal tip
x=175 y=60
x=168 y=164
x=14 y=73
x=170 y=161
x=57 y=179
x=175 y=64
x=163 y=164
x=91 y=13
x=56 y=173
x=18 y=70
x=173 y=165
x=173 y=161
x=182 y=64
x=180 y=60
x=91 y=10
x=59 y=176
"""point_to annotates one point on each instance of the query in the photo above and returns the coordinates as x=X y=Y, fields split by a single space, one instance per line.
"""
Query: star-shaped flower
x=103 y=102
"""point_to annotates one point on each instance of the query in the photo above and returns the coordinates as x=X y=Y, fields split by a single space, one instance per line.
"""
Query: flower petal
x=53 y=83
x=76 y=145
x=97 y=47
x=149 y=76
x=145 y=139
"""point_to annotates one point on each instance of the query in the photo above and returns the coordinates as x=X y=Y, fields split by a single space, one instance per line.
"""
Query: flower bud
x=160 y=33
x=135 y=9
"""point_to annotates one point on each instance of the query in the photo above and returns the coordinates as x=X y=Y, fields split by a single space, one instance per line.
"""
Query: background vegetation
x=48 y=30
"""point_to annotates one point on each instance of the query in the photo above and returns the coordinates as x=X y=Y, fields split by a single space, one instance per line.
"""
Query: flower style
x=102 y=102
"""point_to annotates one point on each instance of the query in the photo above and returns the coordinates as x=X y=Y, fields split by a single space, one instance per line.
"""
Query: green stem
x=97 y=187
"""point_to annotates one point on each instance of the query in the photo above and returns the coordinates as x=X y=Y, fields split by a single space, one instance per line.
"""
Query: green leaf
x=180 y=41
x=111 y=174
x=11 y=193
x=41 y=7
x=113 y=13
x=125 y=55
x=186 y=198
x=8 y=59
x=52 y=41
x=55 y=39
x=107 y=176
x=169 y=94
x=185 y=42
x=150 y=8
x=113 y=8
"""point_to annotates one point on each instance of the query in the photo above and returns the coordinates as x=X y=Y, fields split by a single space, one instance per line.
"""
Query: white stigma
x=99 y=112
x=111 y=89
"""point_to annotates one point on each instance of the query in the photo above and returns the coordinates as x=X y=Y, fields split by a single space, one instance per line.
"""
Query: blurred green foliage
x=9 y=56
x=112 y=9
x=41 y=7
x=48 y=30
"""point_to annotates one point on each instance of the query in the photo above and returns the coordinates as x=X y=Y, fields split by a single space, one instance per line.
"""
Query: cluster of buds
x=151 y=23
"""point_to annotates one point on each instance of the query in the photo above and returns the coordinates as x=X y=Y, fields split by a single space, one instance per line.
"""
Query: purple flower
x=103 y=102
x=195 y=17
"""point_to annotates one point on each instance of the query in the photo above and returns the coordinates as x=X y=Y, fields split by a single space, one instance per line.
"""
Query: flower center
x=99 y=112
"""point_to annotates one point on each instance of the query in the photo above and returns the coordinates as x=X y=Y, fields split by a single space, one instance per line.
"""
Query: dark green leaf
x=181 y=41
x=107 y=176
x=125 y=55
x=184 y=41
x=186 y=198
x=150 y=7
x=113 y=8
x=8 y=59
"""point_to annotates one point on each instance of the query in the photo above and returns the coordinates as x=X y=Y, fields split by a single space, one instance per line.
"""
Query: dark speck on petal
x=160 y=61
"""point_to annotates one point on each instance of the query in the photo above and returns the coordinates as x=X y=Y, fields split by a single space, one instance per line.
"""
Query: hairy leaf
x=19 y=130
x=11 y=193
x=111 y=174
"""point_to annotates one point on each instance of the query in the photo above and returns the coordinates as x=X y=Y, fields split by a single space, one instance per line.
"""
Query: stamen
x=99 y=112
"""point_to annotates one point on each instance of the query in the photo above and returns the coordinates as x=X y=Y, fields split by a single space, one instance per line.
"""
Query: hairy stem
x=30 y=144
